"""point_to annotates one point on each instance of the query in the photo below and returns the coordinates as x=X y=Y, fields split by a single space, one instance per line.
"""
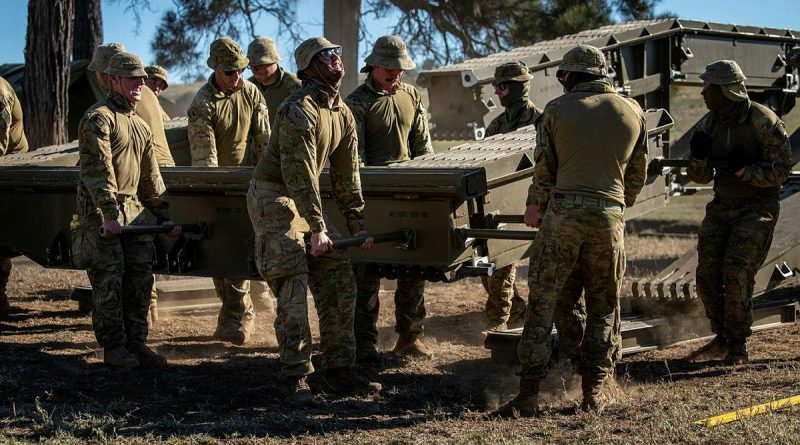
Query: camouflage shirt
x=307 y=135
x=12 y=135
x=392 y=126
x=117 y=160
x=590 y=141
x=276 y=93
x=221 y=125
x=150 y=111
x=525 y=115
x=760 y=138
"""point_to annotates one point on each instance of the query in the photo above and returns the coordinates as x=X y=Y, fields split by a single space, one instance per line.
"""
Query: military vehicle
x=444 y=216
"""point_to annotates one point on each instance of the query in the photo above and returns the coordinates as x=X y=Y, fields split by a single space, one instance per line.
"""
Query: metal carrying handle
x=197 y=228
x=404 y=238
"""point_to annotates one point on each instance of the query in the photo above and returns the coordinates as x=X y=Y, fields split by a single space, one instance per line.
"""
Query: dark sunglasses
x=328 y=53
x=230 y=73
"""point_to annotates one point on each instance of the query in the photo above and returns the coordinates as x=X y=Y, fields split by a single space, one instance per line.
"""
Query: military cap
x=125 y=65
x=511 y=72
x=723 y=72
x=262 y=51
x=157 y=72
x=389 y=52
x=305 y=53
x=101 y=55
x=226 y=55
x=584 y=59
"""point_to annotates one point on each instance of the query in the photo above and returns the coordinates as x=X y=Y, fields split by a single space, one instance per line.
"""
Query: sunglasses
x=328 y=53
x=230 y=73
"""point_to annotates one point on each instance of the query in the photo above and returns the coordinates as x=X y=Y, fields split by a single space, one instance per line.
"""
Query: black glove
x=736 y=160
x=700 y=145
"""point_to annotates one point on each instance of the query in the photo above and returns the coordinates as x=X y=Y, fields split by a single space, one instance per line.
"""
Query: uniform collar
x=371 y=86
x=216 y=91
x=594 y=86
x=321 y=97
x=120 y=103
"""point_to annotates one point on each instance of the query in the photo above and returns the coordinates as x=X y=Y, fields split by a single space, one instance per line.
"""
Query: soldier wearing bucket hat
x=591 y=160
x=119 y=269
x=392 y=127
x=504 y=307
x=744 y=148
x=157 y=82
x=272 y=80
x=229 y=127
x=313 y=128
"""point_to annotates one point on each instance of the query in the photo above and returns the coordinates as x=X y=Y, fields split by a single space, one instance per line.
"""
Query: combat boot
x=295 y=390
x=737 y=352
x=342 y=381
x=497 y=327
x=119 y=358
x=232 y=334
x=146 y=356
x=517 y=317
x=716 y=347
x=591 y=386
x=411 y=346
x=367 y=354
x=525 y=404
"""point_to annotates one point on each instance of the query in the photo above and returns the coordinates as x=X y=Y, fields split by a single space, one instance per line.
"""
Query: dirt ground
x=54 y=389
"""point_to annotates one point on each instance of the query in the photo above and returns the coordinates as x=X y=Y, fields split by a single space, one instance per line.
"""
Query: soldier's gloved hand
x=532 y=217
x=320 y=243
x=369 y=242
x=176 y=231
x=736 y=160
x=110 y=229
x=700 y=145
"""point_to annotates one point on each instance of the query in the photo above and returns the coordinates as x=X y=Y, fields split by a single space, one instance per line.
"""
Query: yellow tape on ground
x=752 y=411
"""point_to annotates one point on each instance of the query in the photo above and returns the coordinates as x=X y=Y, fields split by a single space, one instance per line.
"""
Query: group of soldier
x=590 y=164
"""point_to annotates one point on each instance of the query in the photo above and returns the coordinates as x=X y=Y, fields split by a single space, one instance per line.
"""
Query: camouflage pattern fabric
x=737 y=230
x=282 y=261
x=575 y=237
x=221 y=125
x=149 y=109
x=503 y=300
x=515 y=71
x=12 y=134
x=392 y=126
x=732 y=244
x=409 y=301
x=277 y=92
x=237 y=307
x=514 y=117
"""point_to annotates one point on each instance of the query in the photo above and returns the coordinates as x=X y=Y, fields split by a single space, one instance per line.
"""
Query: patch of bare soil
x=54 y=388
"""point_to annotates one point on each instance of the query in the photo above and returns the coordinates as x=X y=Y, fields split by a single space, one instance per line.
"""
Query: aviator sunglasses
x=328 y=53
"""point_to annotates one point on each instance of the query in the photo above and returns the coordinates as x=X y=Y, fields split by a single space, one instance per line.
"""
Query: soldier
x=119 y=177
x=392 y=127
x=270 y=78
x=313 y=127
x=744 y=148
x=157 y=82
x=584 y=178
x=228 y=127
x=12 y=140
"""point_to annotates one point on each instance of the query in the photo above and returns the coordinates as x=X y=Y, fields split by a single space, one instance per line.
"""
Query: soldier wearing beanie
x=272 y=80
x=228 y=127
x=591 y=160
x=392 y=127
x=313 y=128
x=119 y=178
x=744 y=148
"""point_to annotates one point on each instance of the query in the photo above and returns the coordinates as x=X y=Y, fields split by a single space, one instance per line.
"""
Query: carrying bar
x=197 y=228
x=404 y=238
x=524 y=235
x=507 y=219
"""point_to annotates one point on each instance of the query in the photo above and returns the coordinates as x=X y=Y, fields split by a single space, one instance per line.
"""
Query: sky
x=119 y=26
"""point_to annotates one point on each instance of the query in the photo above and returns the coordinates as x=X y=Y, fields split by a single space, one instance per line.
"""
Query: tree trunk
x=341 y=27
x=47 y=49
x=88 y=32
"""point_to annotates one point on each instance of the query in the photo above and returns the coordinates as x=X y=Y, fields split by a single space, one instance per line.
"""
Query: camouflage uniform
x=392 y=127
x=119 y=177
x=158 y=72
x=220 y=128
x=736 y=232
x=285 y=207
x=262 y=51
x=504 y=304
x=12 y=140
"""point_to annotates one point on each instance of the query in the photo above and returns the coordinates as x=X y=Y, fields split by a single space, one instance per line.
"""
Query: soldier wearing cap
x=744 y=148
x=272 y=80
x=313 y=127
x=119 y=178
x=591 y=160
x=12 y=141
x=157 y=82
x=392 y=127
x=228 y=127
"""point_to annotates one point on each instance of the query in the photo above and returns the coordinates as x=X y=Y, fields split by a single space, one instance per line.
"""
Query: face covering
x=714 y=98
x=324 y=76
x=517 y=92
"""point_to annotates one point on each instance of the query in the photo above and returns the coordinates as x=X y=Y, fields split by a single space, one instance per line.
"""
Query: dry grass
x=53 y=388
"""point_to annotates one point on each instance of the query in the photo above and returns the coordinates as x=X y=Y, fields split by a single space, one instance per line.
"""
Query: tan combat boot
x=342 y=381
x=591 y=386
x=525 y=404
x=146 y=356
x=296 y=391
x=237 y=335
x=737 y=352
x=367 y=354
x=411 y=346
x=119 y=358
x=497 y=326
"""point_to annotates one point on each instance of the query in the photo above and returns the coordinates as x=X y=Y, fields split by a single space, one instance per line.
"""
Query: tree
x=47 y=53
x=88 y=29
